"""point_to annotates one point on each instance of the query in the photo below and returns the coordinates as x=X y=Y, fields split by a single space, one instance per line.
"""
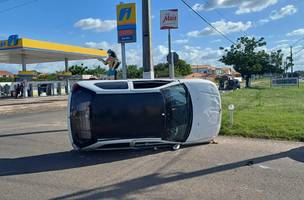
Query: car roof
x=96 y=85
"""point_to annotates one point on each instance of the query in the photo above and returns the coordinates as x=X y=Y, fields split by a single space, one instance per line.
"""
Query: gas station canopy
x=26 y=51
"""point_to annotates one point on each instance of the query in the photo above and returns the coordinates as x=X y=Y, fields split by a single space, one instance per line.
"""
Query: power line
x=18 y=6
x=225 y=17
x=296 y=42
x=206 y=21
x=299 y=51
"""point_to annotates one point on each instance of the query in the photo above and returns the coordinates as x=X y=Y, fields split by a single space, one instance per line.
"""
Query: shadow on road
x=32 y=133
x=67 y=160
x=121 y=190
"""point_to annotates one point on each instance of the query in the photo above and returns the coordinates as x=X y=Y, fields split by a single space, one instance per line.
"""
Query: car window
x=178 y=112
x=149 y=84
x=113 y=85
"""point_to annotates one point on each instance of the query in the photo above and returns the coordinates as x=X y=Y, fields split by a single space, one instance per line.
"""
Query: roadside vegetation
x=265 y=112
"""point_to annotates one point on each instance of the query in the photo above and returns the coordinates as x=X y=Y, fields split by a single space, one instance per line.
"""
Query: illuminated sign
x=12 y=42
x=126 y=22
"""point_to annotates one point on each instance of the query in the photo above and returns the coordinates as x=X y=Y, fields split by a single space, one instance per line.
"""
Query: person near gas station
x=113 y=62
x=17 y=91
x=21 y=89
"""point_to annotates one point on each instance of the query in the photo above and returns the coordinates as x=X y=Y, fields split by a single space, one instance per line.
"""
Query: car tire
x=176 y=147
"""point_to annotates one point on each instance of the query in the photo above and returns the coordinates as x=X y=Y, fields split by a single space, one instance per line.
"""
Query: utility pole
x=291 y=60
x=171 y=63
x=285 y=67
x=147 y=43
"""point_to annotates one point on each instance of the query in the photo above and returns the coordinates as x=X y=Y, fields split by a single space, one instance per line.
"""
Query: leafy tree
x=97 y=70
x=134 y=72
x=182 y=68
x=244 y=56
x=248 y=57
x=161 y=70
x=276 y=62
x=78 y=69
x=47 y=77
x=6 y=79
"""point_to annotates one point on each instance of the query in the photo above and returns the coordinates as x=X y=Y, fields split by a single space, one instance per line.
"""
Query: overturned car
x=141 y=113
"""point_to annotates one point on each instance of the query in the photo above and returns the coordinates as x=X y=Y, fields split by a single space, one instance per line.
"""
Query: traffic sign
x=126 y=22
x=175 y=57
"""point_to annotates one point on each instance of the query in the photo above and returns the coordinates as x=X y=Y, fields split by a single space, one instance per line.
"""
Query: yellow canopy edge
x=49 y=46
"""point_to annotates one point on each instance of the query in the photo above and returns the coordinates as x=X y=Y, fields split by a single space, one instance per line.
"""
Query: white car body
x=205 y=103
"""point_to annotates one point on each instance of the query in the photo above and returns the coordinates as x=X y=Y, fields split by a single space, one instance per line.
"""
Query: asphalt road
x=36 y=162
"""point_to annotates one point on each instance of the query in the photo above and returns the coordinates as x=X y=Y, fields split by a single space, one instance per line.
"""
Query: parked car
x=141 y=113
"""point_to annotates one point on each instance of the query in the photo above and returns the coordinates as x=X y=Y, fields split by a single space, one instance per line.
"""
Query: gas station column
x=23 y=61
x=66 y=62
x=67 y=87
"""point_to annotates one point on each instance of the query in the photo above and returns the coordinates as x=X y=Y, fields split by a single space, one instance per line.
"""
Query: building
x=208 y=71
x=6 y=74
x=203 y=69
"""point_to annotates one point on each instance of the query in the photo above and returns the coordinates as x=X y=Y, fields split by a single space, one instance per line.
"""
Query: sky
x=92 y=23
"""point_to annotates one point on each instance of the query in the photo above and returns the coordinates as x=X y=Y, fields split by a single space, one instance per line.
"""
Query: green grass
x=264 y=112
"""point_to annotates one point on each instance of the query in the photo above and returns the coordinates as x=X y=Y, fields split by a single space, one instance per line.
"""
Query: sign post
x=126 y=29
x=169 y=20
x=171 y=65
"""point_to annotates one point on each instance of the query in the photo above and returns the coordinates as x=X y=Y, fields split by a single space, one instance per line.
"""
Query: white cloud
x=181 y=41
x=160 y=53
x=197 y=55
x=298 y=32
x=244 y=6
x=283 y=12
x=223 y=26
x=264 y=21
x=278 y=14
x=284 y=41
x=98 y=25
x=216 y=41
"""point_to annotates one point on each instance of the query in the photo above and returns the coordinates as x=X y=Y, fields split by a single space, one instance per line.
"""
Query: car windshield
x=178 y=112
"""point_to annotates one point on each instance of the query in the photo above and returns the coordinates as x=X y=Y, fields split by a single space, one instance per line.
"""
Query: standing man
x=17 y=91
x=113 y=63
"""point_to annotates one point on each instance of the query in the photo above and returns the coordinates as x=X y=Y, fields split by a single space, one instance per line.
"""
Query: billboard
x=169 y=19
x=285 y=81
x=126 y=22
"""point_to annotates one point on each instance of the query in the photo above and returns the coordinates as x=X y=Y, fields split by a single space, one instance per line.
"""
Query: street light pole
x=171 y=59
x=147 y=43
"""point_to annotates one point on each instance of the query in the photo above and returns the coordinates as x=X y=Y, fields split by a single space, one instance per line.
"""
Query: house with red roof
x=6 y=74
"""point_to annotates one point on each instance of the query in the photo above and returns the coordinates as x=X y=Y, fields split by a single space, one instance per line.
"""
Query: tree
x=134 y=72
x=161 y=70
x=248 y=57
x=245 y=56
x=96 y=71
x=78 y=69
x=182 y=68
x=276 y=62
x=6 y=79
